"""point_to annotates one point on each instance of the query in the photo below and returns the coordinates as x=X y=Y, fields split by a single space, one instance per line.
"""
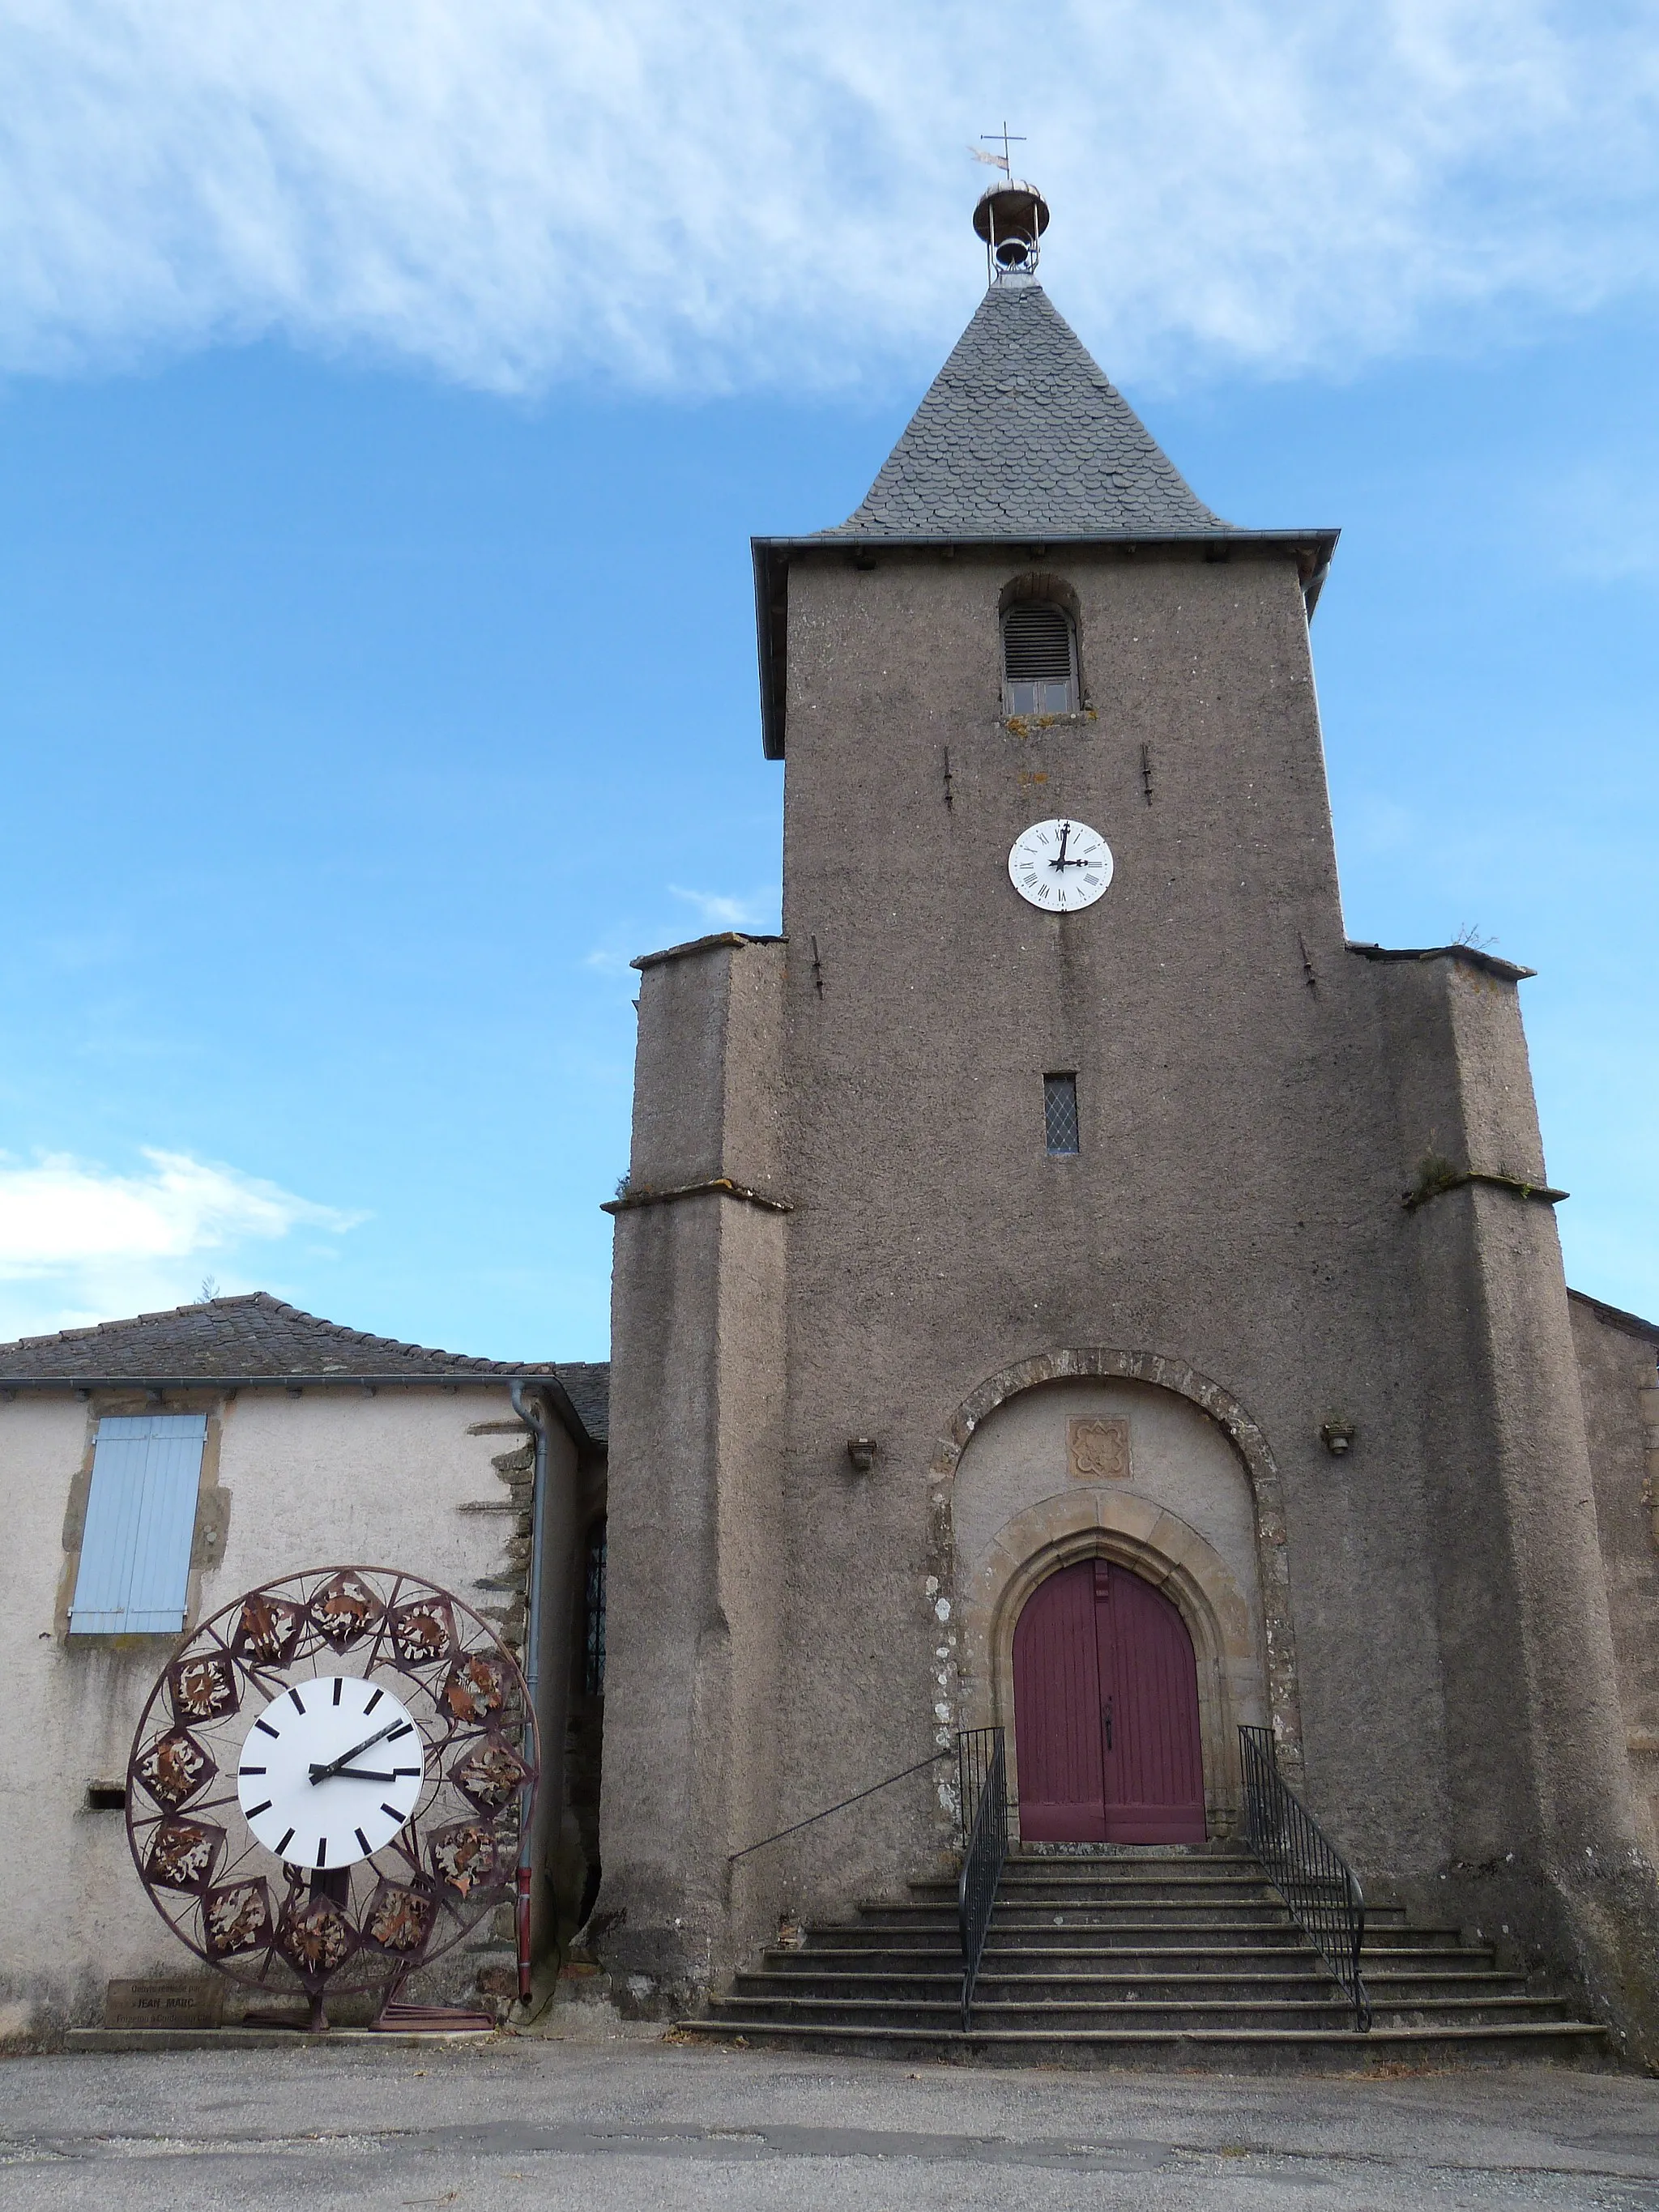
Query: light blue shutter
x=135 y=1553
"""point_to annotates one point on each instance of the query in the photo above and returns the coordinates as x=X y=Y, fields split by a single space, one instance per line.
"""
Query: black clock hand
x=1065 y=833
x=320 y=1772
x=351 y=1774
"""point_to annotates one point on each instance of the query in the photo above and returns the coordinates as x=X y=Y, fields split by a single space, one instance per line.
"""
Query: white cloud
x=80 y=1242
x=608 y=960
x=755 y=911
x=756 y=191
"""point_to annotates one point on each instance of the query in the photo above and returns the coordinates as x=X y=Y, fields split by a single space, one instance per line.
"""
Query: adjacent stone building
x=298 y=1444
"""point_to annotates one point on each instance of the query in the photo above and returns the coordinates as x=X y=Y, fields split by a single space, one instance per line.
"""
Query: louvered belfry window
x=1039 y=659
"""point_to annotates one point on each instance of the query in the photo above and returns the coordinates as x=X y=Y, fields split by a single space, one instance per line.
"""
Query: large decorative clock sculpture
x=329 y=1781
x=1061 y=866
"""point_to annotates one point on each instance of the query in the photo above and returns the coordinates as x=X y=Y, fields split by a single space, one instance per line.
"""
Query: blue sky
x=375 y=586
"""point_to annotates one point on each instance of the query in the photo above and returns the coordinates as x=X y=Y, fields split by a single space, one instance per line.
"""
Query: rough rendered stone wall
x=694 y=1660
x=1256 y=1100
x=1543 y=1846
x=1235 y=1205
x=1620 y=1388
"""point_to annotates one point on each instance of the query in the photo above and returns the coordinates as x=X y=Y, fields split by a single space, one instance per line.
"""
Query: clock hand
x=1065 y=835
x=349 y=1774
x=320 y=1772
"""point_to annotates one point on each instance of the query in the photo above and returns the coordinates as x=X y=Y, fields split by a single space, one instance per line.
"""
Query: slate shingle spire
x=1020 y=439
x=1022 y=435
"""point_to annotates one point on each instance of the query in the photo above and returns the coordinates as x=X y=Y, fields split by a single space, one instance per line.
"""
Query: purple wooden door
x=1106 y=1713
x=1057 y=1733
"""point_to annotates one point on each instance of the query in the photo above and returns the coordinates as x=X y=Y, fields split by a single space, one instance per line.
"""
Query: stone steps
x=1055 y=2012
x=1003 y=1989
x=1382 y=1969
x=1147 y=1960
x=1234 y=2050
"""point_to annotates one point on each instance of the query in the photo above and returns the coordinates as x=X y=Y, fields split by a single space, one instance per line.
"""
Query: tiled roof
x=1022 y=435
x=1616 y=1317
x=255 y=1336
x=587 y=1386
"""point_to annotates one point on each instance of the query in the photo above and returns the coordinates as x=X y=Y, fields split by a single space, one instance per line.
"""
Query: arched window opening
x=1039 y=659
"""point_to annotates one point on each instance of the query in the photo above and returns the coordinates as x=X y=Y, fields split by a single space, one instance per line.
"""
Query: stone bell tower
x=1063 y=1078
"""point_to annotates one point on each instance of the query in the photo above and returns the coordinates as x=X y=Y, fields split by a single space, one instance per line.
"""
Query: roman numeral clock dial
x=329 y=1772
x=1059 y=866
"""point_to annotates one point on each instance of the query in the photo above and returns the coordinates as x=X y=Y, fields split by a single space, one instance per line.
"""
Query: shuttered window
x=1039 y=659
x=141 y=1514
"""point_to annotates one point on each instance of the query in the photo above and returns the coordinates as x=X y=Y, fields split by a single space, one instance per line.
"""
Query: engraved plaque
x=1097 y=1451
x=193 y=2001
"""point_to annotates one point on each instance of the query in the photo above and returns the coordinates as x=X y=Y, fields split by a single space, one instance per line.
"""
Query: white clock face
x=1061 y=866
x=330 y=1771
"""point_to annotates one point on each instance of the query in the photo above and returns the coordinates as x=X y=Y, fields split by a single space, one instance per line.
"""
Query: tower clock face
x=1059 y=866
x=330 y=1771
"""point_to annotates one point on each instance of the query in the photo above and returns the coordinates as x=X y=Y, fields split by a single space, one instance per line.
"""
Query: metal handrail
x=1309 y=1873
x=841 y=1805
x=983 y=1775
x=982 y=1779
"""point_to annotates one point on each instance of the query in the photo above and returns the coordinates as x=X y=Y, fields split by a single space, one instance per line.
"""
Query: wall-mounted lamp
x=861 y=1451
x=1337 y=1435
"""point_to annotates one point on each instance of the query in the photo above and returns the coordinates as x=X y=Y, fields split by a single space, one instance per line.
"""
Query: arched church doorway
x=1106 y=1718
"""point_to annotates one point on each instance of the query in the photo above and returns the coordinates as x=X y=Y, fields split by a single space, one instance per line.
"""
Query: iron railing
x=841 y=1805
x=983 y=1782
x=983 y=1776
x=1305 y=1867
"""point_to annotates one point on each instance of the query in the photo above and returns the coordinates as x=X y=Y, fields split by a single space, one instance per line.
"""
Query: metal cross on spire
x=1003 y=160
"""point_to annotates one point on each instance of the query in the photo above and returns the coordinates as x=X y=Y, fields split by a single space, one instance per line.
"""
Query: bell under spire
x=1012 y=217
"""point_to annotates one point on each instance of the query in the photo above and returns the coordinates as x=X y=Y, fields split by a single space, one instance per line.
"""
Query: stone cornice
x=715 y=1186
x=1436 y=1184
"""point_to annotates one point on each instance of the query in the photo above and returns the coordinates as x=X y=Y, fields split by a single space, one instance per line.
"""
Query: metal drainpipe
x=536 y=1413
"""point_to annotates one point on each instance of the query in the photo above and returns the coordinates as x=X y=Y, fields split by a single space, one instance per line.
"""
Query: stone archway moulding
x=1100 y=1364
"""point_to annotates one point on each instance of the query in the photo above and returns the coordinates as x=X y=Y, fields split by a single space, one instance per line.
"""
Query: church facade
x=1063 y=1220
x=1063 y=1286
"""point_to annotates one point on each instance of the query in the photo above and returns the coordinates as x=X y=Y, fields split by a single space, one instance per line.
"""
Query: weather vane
x=997 y=161
x=1011 y=217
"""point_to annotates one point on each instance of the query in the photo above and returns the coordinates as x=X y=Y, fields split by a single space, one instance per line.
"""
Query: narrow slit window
x=133 y=1578
x=1039 y=659
x=593 y=1615
x=1060 y=1113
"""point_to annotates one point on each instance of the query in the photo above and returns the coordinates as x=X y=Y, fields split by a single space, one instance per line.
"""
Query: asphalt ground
x=514 y=2123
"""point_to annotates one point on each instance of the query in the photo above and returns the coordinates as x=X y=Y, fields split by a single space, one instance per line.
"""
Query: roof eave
x=1617 y=1317
x=544 y=1379
x=771 y=560
x=554 y=1393
x=771 y=556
